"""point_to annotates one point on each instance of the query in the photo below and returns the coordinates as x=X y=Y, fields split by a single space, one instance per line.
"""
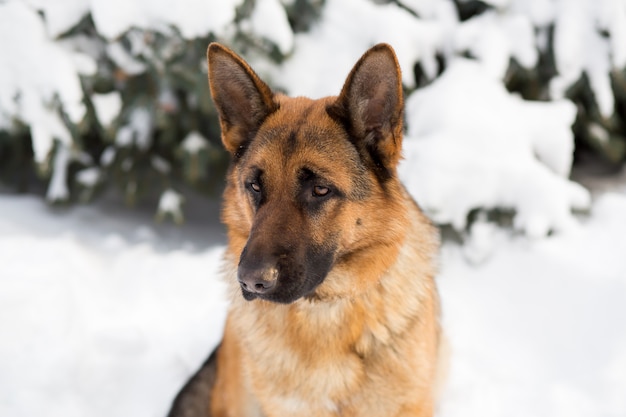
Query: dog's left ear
x=242 y=99
x=371 y=105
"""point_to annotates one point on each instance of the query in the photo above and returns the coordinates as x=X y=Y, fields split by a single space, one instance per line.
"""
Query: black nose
x=257 y=281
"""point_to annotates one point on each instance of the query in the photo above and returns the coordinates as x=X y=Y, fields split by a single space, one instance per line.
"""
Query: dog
x=330 y=262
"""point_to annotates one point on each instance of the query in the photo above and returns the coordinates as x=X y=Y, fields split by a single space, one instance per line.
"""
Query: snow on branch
x=472 y=145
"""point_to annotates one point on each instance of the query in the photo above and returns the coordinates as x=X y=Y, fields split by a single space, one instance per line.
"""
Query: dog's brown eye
x=320 y=191
x=255 y=187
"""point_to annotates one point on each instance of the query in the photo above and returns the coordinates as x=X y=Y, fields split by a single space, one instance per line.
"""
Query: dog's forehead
x=304 y=123
x=301 y=133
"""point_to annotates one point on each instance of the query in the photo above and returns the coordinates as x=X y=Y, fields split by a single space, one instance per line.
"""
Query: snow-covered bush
x=108 y=91
x=115 y=92
x=472 y=145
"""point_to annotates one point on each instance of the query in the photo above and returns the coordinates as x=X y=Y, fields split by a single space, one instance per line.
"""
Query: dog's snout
x=257 y=280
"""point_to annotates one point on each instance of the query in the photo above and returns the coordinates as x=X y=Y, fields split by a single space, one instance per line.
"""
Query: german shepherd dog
x=330 y=262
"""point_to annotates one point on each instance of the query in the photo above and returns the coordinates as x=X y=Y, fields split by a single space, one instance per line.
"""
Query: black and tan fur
x=334 y=309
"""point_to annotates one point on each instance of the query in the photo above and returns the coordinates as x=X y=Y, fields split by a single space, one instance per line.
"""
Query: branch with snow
x=472 y=145
x=38 y=79
x=171 y=205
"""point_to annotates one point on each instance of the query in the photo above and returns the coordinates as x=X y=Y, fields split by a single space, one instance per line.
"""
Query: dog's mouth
x=275 y=298
x=283 y=278
x=281 y=291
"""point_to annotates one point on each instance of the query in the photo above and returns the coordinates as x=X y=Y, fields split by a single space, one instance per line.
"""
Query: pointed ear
x=371 y=106
x=242 y=99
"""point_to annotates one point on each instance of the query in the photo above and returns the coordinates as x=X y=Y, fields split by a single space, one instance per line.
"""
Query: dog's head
x=312 y=186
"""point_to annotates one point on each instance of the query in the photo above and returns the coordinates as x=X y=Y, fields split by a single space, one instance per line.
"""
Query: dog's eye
x=320 y=191
x=254 y=186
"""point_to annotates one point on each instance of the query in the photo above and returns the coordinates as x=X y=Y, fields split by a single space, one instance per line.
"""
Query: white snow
x=138 y=131
x=539 y=329
x=194 y=18
x=471 y=144
x=58 y=188
x=89 y=177
x=480 y=242
x=5 y=122
x=83 y=63
x=160 y=164
x=33 y=72
x=61 y=15
x=108 y=156
x=124 y=60
x=171 y=203
x=269 y=21
x=97 y=317
x=346 y=29
x=46 y=127
x=494 y=39
x=103 y=314
x=107 y=107
x=432 y=9
x=194 y=142
x=580 y=47
x=540 y=12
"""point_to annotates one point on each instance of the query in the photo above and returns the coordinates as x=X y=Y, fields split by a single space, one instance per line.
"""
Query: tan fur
x=365 y=341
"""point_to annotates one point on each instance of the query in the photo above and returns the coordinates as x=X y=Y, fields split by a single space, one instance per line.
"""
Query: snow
x=540 y=12
x=194 y=18
x=27 y=93
x=494 y=39
x=171 y=203
x=107 y=107
x=194 y=142
x=45 y=129
x=124 y=60
x=470 y=144
x=58 y=189
x=480 y=242
x=89 y=177
x=61 y=15
x=98 y=316
x=160 y=164
x=538 y=329
x=269 y=21
x=138 y=130
x=107 y=314
x=108 y=156
x=429 y=9
x=580 y=47
x=328 y=51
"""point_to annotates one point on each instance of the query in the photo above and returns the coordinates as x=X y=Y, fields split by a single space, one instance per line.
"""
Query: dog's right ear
x=242 y=99
x=371 y=105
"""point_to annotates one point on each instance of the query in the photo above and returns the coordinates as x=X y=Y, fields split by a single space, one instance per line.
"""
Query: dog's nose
x=257 y=281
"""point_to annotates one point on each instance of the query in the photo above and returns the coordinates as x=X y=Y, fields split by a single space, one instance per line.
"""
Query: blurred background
x=111 y=168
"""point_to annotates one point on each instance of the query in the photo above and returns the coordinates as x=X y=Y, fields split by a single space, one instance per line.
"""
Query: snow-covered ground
x=540 y=328
x=104 y=313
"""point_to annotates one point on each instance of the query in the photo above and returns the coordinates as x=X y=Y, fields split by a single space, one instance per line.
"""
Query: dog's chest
x=305 y=352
